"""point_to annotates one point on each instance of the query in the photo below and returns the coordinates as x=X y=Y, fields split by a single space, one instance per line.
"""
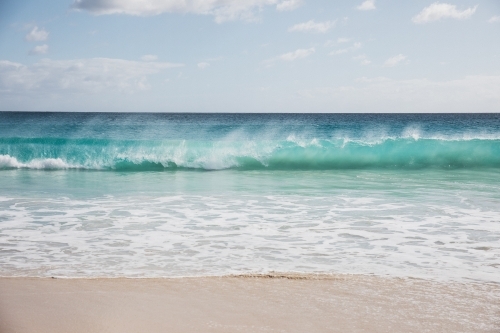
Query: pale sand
x=247 y=304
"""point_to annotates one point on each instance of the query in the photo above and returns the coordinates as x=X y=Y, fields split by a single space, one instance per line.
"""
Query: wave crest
x=288 y=154
x=9 y=162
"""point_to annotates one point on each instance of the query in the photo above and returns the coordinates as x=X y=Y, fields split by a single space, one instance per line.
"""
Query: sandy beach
x=291 y=303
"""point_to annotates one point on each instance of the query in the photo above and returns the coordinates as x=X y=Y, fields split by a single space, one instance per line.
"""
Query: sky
x=250 y=55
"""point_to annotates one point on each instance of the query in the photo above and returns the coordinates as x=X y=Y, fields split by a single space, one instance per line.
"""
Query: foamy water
x=354 y=222
x=87 y=195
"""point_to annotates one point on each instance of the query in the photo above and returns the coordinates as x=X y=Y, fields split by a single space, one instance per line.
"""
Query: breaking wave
x=291 y=154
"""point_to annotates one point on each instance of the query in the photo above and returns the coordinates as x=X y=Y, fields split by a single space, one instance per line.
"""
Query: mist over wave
x=289 y=154
x=247 y=141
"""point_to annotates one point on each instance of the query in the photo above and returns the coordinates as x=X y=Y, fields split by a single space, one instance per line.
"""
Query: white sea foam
x=439 y=230
x=7 y=162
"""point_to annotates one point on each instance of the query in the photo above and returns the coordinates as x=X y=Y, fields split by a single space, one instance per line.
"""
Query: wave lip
x=289 y=154
x=9 y=162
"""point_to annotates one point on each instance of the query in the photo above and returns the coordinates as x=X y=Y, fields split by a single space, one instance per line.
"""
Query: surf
x=289 y=154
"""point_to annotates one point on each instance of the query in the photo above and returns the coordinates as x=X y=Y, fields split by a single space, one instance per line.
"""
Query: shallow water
x=439 y=220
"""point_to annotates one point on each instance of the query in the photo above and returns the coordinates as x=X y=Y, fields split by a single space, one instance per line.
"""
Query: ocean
x=171 y=195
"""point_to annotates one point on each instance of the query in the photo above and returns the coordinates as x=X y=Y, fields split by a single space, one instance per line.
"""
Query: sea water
x=168 y=195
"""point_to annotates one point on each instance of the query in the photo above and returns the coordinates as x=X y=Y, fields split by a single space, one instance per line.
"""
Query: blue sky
x=250 y=56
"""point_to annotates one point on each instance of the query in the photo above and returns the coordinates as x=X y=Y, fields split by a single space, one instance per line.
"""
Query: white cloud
x=343 y=40
x=149 y=57
x=203 y=65
x=40 y=49
x=288 y=5
x=494 y=19
x=37 y=35
x=363 y=60
x=297 y=54
x=437 y=11
x=354 y=47
x=81 y=75
x=393 y=61
x=367 y=5
x=223 y=10
x=312 y=26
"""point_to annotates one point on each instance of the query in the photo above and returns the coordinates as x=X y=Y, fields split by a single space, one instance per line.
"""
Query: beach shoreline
x=277 y=302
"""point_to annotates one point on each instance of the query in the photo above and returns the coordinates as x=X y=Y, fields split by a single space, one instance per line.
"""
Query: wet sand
x=291 y=303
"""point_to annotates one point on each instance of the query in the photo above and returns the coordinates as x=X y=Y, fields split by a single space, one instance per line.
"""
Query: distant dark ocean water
x=108 y=194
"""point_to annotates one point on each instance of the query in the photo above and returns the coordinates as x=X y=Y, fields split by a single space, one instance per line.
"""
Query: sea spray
x=311 y=154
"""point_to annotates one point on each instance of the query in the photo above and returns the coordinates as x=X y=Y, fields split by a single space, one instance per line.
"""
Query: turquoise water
x=194 y=194
x=247 y=142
